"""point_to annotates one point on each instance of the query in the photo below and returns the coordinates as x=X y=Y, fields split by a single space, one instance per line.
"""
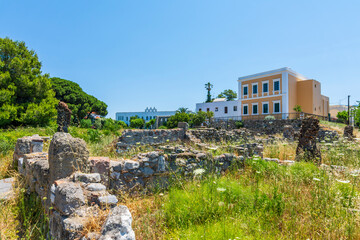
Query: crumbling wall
x=307 y=148
x=136 y=137
x=70 y=197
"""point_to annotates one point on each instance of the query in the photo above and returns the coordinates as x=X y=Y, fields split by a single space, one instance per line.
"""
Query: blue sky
x=137 y=54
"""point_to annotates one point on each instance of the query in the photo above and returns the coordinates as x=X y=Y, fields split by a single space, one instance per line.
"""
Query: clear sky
x=136 y=54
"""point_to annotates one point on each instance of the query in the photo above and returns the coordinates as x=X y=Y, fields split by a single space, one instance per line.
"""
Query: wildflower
x=316 y=179
x=221 y=189
x=44 y=198
x=221 y=204
x=342 y=181
x=161 y=194
x=138 y=143
x=199 y=171
x=258 y=172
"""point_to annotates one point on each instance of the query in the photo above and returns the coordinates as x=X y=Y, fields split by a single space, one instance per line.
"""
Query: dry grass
x=95 y=220
x=145 y=212
x=281 y=150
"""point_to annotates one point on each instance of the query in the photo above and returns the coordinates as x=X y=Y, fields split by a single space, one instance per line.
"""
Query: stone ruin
x=72 y=188
x=64 y=117
x=307 y=148
x=349 y=132
x=289 y=132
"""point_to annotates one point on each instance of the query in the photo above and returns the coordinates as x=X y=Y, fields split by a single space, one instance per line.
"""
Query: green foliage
x=297 y=108
x=150 y=123
x=270 y=118
x=34 y=222
x=239 y=124
x=183 y=110
x=97 y=124
x=112 y=125
x=136 y=122
x=343 y=116
x=163 y=127
x=178 y=117
x=94 y=135
x=80 y=103
x=198 y=118
x=26 y=97
x=85 y=123
x=229 y=94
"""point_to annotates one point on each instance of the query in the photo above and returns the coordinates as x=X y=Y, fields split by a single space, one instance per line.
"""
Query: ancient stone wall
x=270 y=127
x=136 y=137
x=71 y=198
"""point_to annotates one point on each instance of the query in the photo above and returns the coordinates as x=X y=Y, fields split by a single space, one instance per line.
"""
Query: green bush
x=94 y=135
x=137 y=123
x=270 y=118
x=239 y=124
x=97 y=124
x=85 y=123
x=163 y=127
x=178 y=117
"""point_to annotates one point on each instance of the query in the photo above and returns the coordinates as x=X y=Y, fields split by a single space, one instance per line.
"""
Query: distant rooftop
x=273 y=72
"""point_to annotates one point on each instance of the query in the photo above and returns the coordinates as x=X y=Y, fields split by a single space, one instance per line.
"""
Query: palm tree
x=183 y=110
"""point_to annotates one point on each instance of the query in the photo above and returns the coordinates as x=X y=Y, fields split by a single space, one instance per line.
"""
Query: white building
x=147 y=115
x=276 y=92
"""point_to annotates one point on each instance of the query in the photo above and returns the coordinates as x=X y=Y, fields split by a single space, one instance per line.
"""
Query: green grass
x=265 y=201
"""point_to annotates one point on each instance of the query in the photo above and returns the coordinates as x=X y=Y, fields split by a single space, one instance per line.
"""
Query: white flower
x=342 y=181
x=221 y=204
x=316 y=179
x=199 y=171
x=221 y=189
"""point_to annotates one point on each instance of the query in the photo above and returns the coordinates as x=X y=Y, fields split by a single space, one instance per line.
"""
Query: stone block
x=87 y=177
x=131 y=165
x=108 y=200
x=67 y=155
x=68 y=197
x=183 y=125
x=118 y=225
x=96 y=187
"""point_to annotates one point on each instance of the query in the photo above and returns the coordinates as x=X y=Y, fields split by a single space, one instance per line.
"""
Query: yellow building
x=277 y=92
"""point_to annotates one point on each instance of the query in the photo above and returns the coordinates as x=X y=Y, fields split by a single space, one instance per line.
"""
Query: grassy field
x=263 y=200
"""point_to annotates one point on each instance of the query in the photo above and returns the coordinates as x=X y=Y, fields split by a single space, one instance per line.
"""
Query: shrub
x=97 y=124
x=137 y=123
x=198 y=118
x=239 y=124
x=85 y=123
x=162 y=127
x=94 y=135
x=270 y=118
x=150 y=123
x=178 y=117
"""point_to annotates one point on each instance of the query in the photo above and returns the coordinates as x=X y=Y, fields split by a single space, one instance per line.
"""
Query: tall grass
x=266 y=201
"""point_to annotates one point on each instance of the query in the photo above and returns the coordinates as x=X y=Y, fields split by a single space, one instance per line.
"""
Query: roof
x=219 y=100
x=272 y=72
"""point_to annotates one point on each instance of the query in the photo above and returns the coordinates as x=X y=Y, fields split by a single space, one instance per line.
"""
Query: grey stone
x=65 y=228
x=87 y=177
x=130 y=165
x=116 y=165
x=118 y=225
x=96 y=187
x=152 y=154
x=147 y=172
x=183 y=125
x=68 y=197
x=115 y=175
x=161 y=164
x=67 y=155
x=108 y=200
x=6 y=189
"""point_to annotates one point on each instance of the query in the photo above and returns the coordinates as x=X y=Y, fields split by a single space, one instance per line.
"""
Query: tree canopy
x=80 y=103
x=26 y=96
x=229 y=94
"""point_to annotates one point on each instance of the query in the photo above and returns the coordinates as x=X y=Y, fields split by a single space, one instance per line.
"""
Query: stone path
x=6 y=188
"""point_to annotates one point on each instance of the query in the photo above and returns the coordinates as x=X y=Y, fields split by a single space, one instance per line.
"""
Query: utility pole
x=349 y=110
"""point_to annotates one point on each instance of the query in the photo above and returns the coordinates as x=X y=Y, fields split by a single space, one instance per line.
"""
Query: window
x=255 y=109
x=208 y=109
x=246 y=90
x=235 y=108
x=276 y=107
x=216 y=109
x=265 y=108
x=225 y=110
x=265 y=87
x=199 y=109
x=245 y=110
x=147 y=117
x=127 y=118
x=276 y=85
x=255 y=88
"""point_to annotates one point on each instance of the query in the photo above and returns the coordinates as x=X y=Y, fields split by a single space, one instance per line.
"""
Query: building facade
x=147 y=115
x=274 y=93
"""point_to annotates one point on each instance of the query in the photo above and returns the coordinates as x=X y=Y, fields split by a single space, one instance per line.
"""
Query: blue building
x=147 y=115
